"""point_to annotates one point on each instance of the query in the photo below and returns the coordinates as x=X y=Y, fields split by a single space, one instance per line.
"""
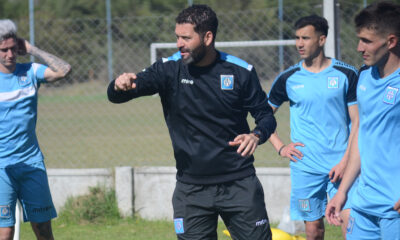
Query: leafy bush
x=98 y=206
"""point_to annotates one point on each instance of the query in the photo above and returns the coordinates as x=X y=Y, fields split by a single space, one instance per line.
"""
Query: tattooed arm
x=58 y=68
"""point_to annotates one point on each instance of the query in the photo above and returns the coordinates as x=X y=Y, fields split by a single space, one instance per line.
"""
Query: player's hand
x=125 y=82
x=290 y=151
x=23 y=46
x=337 y=172
x=397 y=206
x=247 y=144
x=332 y=212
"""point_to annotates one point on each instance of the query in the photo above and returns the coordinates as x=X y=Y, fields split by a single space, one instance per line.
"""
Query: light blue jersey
x=378 y=140
x=18 y=113
x=318 y=112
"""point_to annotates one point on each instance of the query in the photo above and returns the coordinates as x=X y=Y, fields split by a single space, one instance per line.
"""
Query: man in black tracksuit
x=206 y=96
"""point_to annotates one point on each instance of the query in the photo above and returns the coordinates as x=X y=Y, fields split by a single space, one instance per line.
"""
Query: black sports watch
x=256 y=133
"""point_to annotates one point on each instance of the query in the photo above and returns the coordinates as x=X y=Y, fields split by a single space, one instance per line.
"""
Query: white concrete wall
x=66 y=183
x=276 y=184
x=153 y=188
x=124 y=190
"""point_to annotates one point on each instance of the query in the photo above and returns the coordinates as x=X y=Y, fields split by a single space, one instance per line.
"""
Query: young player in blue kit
x=206 y=96
x=322 y=96
x=22 y=171
x=375 y=151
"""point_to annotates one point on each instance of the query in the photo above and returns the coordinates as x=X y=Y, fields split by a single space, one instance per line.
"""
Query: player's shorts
x=309 y=195
x=363 y=226
x=240 y=204
x=29 y=184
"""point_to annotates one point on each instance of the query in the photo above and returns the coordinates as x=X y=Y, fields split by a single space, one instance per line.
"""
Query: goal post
x=260 y=43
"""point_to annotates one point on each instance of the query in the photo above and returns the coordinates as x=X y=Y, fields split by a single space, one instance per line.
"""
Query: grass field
x=122 y=230
x=133 y=229
x=79 y=128
x=95 y=216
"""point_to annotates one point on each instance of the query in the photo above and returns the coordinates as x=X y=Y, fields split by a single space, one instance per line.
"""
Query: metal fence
x=77 y=127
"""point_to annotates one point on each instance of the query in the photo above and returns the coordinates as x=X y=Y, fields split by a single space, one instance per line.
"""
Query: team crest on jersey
x=23 y=81
x=227 y=82
x=5 y=211
x=350 y=224
x=304 y=205
x=178 y=223
x=333 y=82
x=362 y=88
x=390 y=95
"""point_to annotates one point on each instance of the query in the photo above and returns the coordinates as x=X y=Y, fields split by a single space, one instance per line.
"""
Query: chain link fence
x=77 y=126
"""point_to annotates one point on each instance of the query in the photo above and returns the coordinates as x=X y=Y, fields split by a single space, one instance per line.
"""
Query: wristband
x=280 y=149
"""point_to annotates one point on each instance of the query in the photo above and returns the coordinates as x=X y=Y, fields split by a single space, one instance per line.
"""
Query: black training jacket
x=205 y=108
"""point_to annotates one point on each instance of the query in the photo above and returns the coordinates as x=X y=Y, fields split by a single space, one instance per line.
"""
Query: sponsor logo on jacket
x=187 y=81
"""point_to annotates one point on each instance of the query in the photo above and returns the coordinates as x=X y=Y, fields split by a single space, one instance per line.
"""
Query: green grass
x=131 y=228
x=95 y=216
x=99 y=206
x=79 y=128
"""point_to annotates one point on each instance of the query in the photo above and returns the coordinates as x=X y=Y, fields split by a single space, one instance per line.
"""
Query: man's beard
x=195 y=56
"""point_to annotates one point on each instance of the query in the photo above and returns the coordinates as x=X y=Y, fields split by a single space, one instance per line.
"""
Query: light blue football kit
x=379 y=183
x=22 y=171
x=320 y=120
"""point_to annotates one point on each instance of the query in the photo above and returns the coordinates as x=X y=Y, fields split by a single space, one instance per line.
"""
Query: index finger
x=127 y=76
x=332 y=216
x=234 y=143
x=329 y=213
x=331 y=173
x=239 y=138
x=297 y=153
x=298 y=144
x=335 y=177
x=130 y=75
